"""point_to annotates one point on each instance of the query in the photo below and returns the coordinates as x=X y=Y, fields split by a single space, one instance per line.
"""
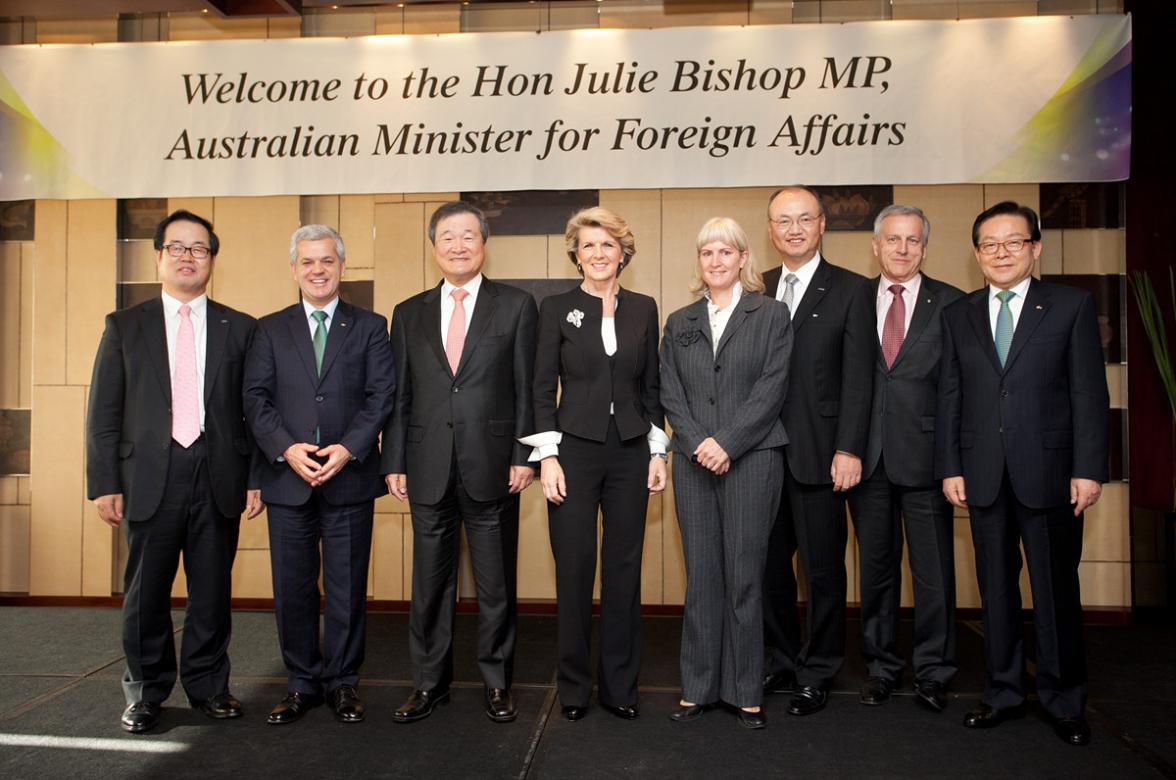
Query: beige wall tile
x=357 y=226
x=499 y=17
x=852 y=570
x=1106 y=530
x=252 y=271
x=97 y=552
x=642 y=209
x=406 y=571
x=432 y=18
x=989 y=9
x=90 y=291
x=55 y=560
x=49 y=292
x=14 y=549
x=850 y=249
x=967 y=589
x=254 y=534
x=823 y=11
x=1094 y=251
x=431 y=197
x=771 y=12
x=1025 y=194
x=559 y=265
x=432 y=272
x=339 y=23
x=925 y=9
x=1105 y=584
x=515 y=257
x=1066 y=7
x=653 y=553
x=399 y=253
x=283 y=27
x=388 y=556
x=8 y=491
x=136 y=261
x=199 y=27
x=28 y=265
x=536 y=566
x=673 y=572
x=1051 y=253
x=389 y=197
x=584 y=14
x=320 y=210
x=637 y=14
x=10 y=291
x=951 y=209
x=23 y=496
x=1117 y=385
x=92 y=29
x=251 y=575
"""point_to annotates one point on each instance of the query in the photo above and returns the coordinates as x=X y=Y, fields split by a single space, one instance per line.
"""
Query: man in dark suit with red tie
x=465 y=356
x=168 y=452
x=318 y=388
x=1021 y=441
x=826 y=415
x=899 y=491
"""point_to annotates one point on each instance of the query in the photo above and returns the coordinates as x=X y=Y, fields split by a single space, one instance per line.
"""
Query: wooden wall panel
x=14 y=549
x=536 y=566
x=388 y=556
x=252 y=271
x=642 y=210
x=98 y=550
x=400 y=252
x=10 y=336
x=28 y=265
x=90 y=292
x=951 y=209
x=1094 y=251
x=49 y=292
x=251 y=575
x=55 y=557
x=357 y=226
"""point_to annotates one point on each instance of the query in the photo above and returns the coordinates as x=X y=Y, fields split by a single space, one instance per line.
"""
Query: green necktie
x=320 y=339
x=1004 y=326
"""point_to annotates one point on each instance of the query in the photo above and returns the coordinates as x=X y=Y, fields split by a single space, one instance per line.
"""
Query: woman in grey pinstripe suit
x=724 y=377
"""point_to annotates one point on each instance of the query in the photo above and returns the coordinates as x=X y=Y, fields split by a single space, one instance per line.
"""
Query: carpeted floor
x=60 y=702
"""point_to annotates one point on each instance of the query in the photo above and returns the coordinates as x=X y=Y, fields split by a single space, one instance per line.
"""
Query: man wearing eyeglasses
x=827 y=416
x=1021 y=442
x=899 y=491
x=168 y=452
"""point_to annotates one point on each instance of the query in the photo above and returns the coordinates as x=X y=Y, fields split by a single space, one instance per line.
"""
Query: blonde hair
x=612 y=223
x=729 y=232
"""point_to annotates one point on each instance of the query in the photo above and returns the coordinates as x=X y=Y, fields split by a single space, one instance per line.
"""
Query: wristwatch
x=661 y=455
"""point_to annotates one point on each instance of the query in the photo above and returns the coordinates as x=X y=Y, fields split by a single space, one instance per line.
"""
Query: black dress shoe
x=293 y=707
x=626 y=711
x=420 y=705
x=780 y=682
x=985 y=717
x=1072 y=731
x=807 y=700
x=223 y=705
x=687 y=712
x=876 y=691
x=931 y=694
x=141 y=716
x=753 y=720
x=346 y=704
x=574 y=712
x=500 y=706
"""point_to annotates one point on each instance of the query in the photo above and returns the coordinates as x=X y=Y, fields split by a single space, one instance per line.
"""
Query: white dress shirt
x=447 y=305
x=804 y=276
x=910 y=294
x=171 y=321
x=313 y=323
x=720 y=317
x=1015 y=304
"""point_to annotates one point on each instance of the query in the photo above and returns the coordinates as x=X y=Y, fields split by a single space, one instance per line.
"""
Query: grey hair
x=899 y=210
x=317 y=233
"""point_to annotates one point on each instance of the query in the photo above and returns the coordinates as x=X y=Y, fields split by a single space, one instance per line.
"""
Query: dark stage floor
x=60 y=702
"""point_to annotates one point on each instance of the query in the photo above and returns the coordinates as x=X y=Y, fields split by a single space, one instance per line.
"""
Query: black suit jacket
x=129 y=420
x=831 y=376
x=475 y=415
x=286 y=401
x=572 y=356
x=902 y=421
x=1043 y=417
x=736 y=393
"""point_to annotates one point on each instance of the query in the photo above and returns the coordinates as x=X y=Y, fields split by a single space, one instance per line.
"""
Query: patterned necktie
x=894 y=326
x=1004 y=326
x=455 y=340
x=185 y=401
x=320 y=339
x=790 y=291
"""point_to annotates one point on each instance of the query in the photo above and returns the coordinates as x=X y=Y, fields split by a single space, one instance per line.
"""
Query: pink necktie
x=893 y=326
x=185 y=402
x=455 y=339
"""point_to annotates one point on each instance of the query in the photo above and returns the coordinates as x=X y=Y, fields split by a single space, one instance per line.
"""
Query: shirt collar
x=1021 y=288
x=805 y=273
x=736 y=294
x=171 y=306
x=910 y=285
x=472 y=287
x=329 y=308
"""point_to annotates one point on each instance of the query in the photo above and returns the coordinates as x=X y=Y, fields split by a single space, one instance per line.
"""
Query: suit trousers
x=782 y=638
x=725 y=523
x=492 y=533
x=609 y=477
x=881 y=511
x=188 y=521
x=1052 y=541
x=345 y=535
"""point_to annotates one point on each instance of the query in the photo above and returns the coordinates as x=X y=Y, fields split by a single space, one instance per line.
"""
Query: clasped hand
x=300 y=456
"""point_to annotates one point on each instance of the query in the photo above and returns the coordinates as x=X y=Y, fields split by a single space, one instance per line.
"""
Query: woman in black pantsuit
x=602 y=450
x=725 y=360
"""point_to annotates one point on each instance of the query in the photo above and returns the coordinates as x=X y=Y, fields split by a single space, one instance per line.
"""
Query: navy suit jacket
x=286 y=401
x=1043 y=417
x=902 y=421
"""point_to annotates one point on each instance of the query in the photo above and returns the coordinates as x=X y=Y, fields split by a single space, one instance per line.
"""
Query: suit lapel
x=772 y=281
x=819 y=285
x=924 y=307
x=154 y=330
x=627 y=325
x=1033 y=311
x=745 y=305
x=216 y=332
x=431 y=325
x=299 y=326
x=341 y=326
x=484 y=309
x=978 y=317
x=697 y=315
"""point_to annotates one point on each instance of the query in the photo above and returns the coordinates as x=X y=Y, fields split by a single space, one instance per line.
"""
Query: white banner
x=1022 y=99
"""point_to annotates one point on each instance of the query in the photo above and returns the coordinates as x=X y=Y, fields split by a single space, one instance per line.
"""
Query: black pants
x=492 y=533
x=186 y=521
x=1053 y=547
x=609 y=477
x=345 y=535
x=881 y=510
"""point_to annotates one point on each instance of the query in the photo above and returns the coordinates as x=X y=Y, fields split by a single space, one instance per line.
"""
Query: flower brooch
x=688 y=337
x=575 y=316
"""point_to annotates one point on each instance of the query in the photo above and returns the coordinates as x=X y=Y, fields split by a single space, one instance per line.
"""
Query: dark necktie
x=894 y=326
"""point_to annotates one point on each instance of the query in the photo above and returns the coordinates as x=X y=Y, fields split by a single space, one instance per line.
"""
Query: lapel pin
x=342 y=324
x=820 y=289
x=815 y=314
x=1038 y=307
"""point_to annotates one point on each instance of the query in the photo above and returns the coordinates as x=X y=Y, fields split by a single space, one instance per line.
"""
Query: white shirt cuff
x=658 y=440
x=545 y=444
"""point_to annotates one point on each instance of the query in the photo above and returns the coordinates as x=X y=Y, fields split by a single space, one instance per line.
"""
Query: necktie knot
x=896 y=290
x=459 y=294
x=791 y=279
x=1006 y=296
x=185 y=310
x=319 y=315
